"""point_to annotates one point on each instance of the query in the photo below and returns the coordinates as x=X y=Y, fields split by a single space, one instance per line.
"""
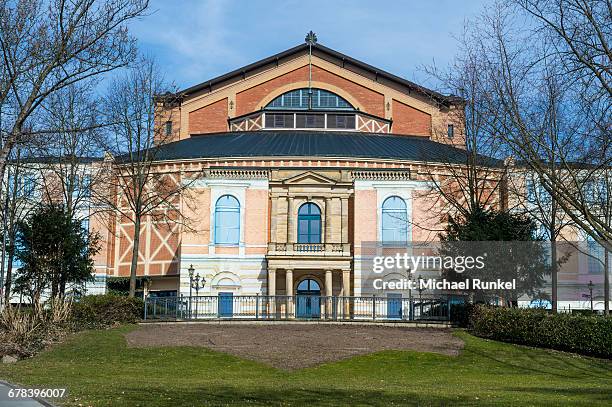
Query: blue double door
x=308 y=299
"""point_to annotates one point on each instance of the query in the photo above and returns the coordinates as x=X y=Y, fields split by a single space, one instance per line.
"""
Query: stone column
x=346 y=290
x=328 y=220
x=323 y=221
x=289 y=291
x=329 y=284
x=271 y=281
x=273 y=220
x=290 y=221
x=271 y=291
x=345 y=220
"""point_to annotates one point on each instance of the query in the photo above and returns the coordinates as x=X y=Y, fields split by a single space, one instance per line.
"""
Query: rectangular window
x=279 y=120
x=328 y=100
x=292 y=99
x=596 y=257
x=26 y=187
x=451 y=131
x=310 y=121
x=305 y=96
x=85 y=224
x=85 y=185
x=168 y=128
x=340 y=121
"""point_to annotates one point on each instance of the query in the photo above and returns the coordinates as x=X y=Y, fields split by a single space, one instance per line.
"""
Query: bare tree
x=48 y=45
x=140 y=188
x=20 y=186
x=474 y=177
x=68 y=156
x=535 y=80
x=580 y=142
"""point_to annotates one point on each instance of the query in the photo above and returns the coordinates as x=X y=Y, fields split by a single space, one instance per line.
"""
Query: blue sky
x=201 y=39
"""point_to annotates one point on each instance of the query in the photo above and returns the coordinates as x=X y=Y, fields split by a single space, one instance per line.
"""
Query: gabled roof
x=329 y=55
x=332 y=144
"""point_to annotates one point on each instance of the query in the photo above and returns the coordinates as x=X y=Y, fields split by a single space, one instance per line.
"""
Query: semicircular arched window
x=309 y=224
x=394 y=220
x=227 y=220
x=319 y=99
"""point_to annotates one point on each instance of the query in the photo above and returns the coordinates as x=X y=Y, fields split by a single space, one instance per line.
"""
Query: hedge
x=460 y=314
x=588 y=335
x=95 y=311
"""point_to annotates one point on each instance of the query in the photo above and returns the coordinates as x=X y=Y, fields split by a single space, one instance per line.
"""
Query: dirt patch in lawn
x=295 y=346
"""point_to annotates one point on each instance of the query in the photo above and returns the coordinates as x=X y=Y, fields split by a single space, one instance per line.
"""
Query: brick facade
x=209 y=119
x=410 y=121
x=250 y=100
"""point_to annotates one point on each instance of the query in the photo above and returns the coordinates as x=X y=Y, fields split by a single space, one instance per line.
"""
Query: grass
x=99 y=370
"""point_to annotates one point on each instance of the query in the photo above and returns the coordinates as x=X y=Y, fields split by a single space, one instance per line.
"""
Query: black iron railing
x=313 y=307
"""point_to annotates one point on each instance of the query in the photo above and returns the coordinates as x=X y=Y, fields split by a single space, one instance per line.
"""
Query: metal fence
x=308 y=307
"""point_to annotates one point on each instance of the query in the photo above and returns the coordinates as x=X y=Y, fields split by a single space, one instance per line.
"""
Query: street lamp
x=591 y=293
x=420 y=288
x=410 y=307
x=195 y=283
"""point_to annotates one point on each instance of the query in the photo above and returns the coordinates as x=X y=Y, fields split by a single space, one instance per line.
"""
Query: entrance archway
x=308 y=299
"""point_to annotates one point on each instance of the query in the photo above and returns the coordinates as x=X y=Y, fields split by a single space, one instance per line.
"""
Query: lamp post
x=591 y=293
x=420 y=288
x=410 y=308
x=195 y=283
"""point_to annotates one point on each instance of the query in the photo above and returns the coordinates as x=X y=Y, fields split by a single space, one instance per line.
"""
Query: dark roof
x=56 y=160
x=326 y=53
x=295 y=143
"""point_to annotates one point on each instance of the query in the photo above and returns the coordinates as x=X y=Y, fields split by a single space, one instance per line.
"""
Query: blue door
x=308 y=299
x=226 y=305
x=394 y=306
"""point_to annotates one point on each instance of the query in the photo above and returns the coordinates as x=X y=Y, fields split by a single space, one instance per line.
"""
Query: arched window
x=394 y=220
x=309 y=224
x=298 y=99
x=308 y=286
x=227 y=220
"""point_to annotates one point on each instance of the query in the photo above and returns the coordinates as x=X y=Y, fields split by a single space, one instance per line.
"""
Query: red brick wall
x=209 y=119
x=410 y=121
x=249 y=100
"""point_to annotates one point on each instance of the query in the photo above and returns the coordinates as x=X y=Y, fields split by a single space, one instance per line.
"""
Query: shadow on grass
x=540 y=360
x=227 y=395
x=590 y=394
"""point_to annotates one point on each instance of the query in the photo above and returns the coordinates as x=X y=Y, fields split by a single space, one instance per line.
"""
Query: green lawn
x=99 y=370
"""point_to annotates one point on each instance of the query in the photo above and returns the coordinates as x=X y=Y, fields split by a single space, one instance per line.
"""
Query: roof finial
x=311 y=38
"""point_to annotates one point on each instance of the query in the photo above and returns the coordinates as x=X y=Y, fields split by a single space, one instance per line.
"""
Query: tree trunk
x=135 y=250
x=607 y=282
x=554 y=269
x=8 y=276
x=4 y=153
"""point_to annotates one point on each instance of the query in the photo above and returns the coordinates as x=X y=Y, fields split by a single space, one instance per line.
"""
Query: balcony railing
x=309 y=307
x=313 y=249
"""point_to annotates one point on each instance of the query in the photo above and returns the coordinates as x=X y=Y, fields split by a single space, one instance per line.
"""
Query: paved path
x=6 y=401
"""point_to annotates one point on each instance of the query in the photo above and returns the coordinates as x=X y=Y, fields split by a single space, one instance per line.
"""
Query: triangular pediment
x=309 y=178
x=321 y=52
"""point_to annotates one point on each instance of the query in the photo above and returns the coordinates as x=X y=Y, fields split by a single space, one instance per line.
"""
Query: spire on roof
x=311 y=38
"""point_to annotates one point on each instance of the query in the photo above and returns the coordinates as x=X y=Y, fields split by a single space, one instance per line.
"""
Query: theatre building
x=304 y=156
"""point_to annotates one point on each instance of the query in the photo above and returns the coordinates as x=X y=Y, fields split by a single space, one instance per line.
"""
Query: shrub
x=588 y=335
x=460 y=314
x=96 y=311
x=26 y=330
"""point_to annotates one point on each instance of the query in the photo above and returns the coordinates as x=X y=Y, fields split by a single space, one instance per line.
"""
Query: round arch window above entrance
x=305 y=98
x=308 y=286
